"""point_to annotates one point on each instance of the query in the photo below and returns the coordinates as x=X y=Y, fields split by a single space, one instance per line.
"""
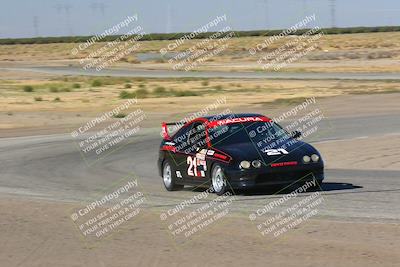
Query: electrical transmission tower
x=333 y=13
x=36 y=25
x=266 y=11
x=67 y=8
x=305 y=8
x=169 y=18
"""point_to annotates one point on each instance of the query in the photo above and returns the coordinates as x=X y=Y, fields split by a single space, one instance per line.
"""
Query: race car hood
x=291 y=150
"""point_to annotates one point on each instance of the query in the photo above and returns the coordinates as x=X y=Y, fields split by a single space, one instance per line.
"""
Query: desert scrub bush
x=53 y=89
x=119 y=115
x=205 y=83
x=141 y=93
x=159 y=90
x=76 y=85
x=96 y=83
x=218 y=87
x=142 y=85
x=28 y=89
x=128 y=85
x=184 y=93
x=127 y=95
x=38 y=98
x=57 y=99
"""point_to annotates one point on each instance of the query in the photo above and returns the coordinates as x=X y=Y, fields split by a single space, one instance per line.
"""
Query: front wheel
x=169 y=178
x=219 y=183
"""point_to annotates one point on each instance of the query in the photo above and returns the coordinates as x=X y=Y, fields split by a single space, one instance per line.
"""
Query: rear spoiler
x=165 y=131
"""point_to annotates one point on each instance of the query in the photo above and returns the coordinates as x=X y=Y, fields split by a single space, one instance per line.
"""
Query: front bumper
x=241 y=179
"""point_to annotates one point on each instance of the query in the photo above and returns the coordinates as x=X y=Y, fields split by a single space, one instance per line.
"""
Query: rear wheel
x=169 y=177
x=218 y=180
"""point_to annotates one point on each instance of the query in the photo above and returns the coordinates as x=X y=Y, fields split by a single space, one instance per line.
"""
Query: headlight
x=306 y=159
x=245 y=164
x=314 y=157
x=256 y=163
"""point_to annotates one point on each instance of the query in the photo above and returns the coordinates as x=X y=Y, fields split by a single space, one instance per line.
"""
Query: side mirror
x=296 y=134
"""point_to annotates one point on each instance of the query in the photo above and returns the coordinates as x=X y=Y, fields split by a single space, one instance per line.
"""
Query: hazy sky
x=27 y=18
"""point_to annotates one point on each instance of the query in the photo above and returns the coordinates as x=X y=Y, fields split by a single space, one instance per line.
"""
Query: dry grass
x=374 y=52
x=157 y=93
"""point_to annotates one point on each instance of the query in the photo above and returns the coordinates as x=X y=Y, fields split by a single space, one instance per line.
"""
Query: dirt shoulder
x=40 y=233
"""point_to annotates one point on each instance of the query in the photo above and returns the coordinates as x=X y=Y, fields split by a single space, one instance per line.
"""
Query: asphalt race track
x=207 y=74
x=51 y=167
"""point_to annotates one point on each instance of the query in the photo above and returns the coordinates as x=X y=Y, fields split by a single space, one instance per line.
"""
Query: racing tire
x=218 y=180
x=169 y=177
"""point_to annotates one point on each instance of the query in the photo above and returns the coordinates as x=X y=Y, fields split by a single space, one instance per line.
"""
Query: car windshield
x=246 y=132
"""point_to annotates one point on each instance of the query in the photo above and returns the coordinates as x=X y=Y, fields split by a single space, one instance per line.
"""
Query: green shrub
x=141 y=93
x=126 y=95
x=57 y=99
x=142 y=85
x=119 y=115
x=184 y=93
x=76 y=85
x=53 y=89
x=159 y=90
x=96 y=83
x=28 y=89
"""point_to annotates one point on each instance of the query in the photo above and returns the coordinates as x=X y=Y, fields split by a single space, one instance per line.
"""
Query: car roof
x=230 y=115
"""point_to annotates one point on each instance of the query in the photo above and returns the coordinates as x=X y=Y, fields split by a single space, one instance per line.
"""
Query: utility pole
x=58 y=7
x=305 y=8
x=102 y=7
x=333 y=13
x=169 y=18
x=266 y=14
x=94 y=7
x=67 y=9
x=36 y=25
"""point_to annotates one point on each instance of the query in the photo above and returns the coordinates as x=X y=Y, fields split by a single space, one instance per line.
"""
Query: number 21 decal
x=196 y=167
x=192 y=166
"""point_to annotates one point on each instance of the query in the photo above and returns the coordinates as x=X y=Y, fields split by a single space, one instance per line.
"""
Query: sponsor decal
x=282 y=164
x=238 y=120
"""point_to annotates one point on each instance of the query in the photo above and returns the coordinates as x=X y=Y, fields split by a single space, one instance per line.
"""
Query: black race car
x=235 y=151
